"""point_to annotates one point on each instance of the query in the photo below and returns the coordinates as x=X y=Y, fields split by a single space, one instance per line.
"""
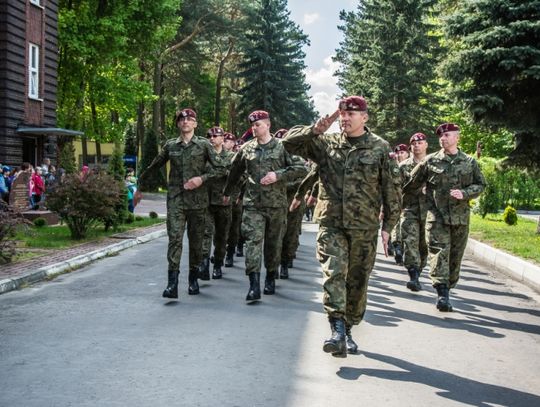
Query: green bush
x=138 y=218
x=510 y=216
x=40 y=222
x=130 y=218
x=10 y=220
x=153 y=215
x=83 y=202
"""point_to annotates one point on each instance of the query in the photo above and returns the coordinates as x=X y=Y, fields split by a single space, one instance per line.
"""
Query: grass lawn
x=520 y=239
x=59 y=237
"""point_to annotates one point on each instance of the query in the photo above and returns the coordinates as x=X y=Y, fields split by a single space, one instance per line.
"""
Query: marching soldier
x=187 y=196
x=451 y=179
x=268 y=168
x=401 y=153
x=355 y=177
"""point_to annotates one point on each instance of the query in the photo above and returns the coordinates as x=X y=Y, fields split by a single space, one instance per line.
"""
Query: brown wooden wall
x=20 y=23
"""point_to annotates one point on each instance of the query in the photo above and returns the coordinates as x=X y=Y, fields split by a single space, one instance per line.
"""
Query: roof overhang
x=55 y=131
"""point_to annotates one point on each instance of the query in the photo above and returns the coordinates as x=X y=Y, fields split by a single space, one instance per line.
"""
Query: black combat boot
x=229 y=257
x=270 y=283
x=216 y=273
x=390 y=248
x=254 y=292
x=193 y=285
x=352 y=347
x=413 y=284
x=398 y=253
x=336 y=345
x=172 y=285
x=443 y=300
x=204 y=269
x=284 y=271
x=240 y=249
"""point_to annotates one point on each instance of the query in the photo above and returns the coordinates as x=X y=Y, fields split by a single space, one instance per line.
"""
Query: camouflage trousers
x=347 y=258
x=218 y=223
x=291 y=238
x=263 y=230
x=236 y=221
x=446 y=245
x=177 y=220
x=413 y=235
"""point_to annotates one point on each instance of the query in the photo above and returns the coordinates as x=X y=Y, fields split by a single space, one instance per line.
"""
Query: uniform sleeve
x=479 y=183
x=157 y=162
x=294 y=170
x=238 y=168
x=302 y=141
x=217 y=168
x=391 y=202
x=307 y=183
x=417 y=179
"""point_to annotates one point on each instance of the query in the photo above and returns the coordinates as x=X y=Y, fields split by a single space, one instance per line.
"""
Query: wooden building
x=28 y=81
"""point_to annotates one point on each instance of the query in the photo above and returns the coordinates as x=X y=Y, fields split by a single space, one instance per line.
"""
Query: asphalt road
x=103 y=336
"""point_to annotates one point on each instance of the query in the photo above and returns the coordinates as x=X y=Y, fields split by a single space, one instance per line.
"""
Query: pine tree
x=273 y=68
x=495 y=68
x=389 y=56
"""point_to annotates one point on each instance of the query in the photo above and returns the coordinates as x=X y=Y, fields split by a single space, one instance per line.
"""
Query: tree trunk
x=98 y=153
x=140 y=128
x=84 y=151
x=156 y=104
x=538 y=226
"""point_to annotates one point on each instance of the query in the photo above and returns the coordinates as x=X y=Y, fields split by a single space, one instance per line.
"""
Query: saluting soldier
x=187 y=196
x=268 y=168
x=219 y=213
x=355 y=177
x=451 y=179
x=413 y=216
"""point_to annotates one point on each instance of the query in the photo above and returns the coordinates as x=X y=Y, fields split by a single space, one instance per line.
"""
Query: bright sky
x=319 y=19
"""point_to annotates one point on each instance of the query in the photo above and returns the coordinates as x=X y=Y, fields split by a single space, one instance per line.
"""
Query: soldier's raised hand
x=325 y=122
x=193 y=183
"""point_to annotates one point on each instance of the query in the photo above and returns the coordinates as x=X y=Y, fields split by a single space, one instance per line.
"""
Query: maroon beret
x=257 y=115
x=445 y=128
x=248 y=135
x=281 y=133
x=215 y=131
x=417 y=137
x=185 y=113
x=355 y=103
x=401 y=147
x=229 y=136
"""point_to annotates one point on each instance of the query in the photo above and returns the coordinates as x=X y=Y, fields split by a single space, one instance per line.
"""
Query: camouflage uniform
x=309 y=185
x=396 y=238
x=265 y=206
x=355 y=178
x=187 y=207
x=447 y=222
x=219 y=214
x=413 y=222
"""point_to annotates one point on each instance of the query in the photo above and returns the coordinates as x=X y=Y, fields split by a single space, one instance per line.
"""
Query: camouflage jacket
x=441 y=173
x=413 y=205
x=256 y=161
x=215 y=186
x=188 y=161
x=309 y=183
x=354 y=180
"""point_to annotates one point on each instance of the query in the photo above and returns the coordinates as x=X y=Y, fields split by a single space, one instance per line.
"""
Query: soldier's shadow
x=448 y=385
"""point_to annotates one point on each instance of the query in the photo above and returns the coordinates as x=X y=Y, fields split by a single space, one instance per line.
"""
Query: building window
x=36 y=2
x=33 y=71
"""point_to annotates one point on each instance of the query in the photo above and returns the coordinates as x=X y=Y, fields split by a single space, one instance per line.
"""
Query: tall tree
x=389 y=55
x=273 y=67
x=494 y=66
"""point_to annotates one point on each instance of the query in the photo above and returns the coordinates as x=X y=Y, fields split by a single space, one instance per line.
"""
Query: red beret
x=281 y=133
x=356 y=103
x=215 y=131
x=446 y=127
x=417 y=137
x=185 y=113
x=257 y=115
x=248 y=135
x=229 y=136
x=401 y=147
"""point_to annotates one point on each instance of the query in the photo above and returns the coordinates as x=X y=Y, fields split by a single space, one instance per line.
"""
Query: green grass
x=520 y=239
x=59 y=237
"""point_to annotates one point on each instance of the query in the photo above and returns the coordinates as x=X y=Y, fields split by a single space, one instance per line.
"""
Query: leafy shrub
x=153 y=215
x=510 y=216
x=83 y=202
x=130 y=218
x=138 y=218
x=10 y=220
x=40 y=222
